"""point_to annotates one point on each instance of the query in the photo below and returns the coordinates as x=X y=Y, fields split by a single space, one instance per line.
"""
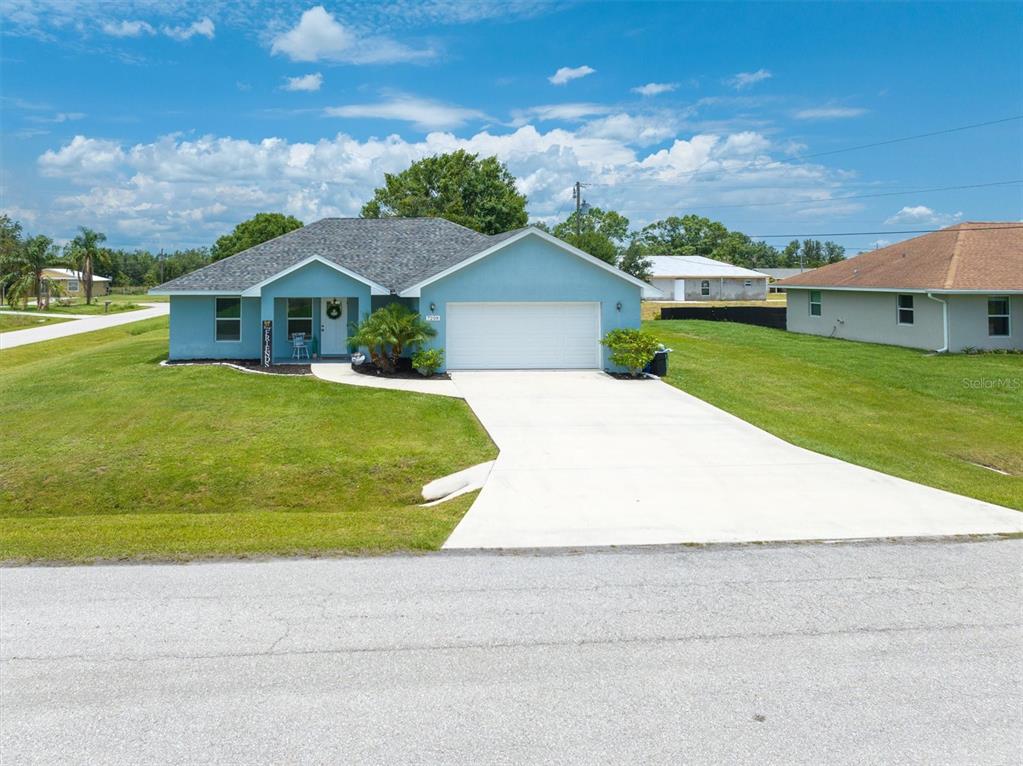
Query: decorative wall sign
x=268 y=343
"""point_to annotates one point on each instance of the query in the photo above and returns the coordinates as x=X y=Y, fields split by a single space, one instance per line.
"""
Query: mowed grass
x=110 y=456
x=118 y=303
x=934 y=419
x=10 y=322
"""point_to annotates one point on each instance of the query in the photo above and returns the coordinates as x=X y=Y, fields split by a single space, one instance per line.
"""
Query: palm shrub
x=388 y=332
x=23 y=272
x=632 y=349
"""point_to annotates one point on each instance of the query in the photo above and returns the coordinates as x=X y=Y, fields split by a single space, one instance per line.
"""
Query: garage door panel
x=525 y=335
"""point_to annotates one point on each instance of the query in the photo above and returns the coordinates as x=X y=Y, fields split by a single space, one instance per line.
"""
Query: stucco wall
x=968 y=325
x=866 y=316
x=532 y=269
x=192 y=330
x=720 y=289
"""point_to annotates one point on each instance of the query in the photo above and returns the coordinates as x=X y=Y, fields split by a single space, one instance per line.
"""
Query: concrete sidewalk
x=17 y=338
x=343 y=373
x=587 y=460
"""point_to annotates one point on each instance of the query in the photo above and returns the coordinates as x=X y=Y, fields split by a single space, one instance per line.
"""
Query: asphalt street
x=845 y=653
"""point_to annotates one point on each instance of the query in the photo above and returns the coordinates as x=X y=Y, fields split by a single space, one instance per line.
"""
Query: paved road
x=589 y=460
x=860 y=654
x=16 y=338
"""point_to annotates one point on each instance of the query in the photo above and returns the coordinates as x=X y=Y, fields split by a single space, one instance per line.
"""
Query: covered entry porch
x=306 y=311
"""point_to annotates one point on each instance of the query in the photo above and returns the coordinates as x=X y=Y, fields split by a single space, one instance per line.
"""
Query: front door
x=333 y=326
x=680 y=290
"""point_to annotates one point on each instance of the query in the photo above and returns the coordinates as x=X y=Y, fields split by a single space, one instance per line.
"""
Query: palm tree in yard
x=388 y=331
x=85 y=254
x=23 y=271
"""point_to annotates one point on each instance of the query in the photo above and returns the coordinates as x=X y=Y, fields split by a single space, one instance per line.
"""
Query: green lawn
x=20 y=321
x=79 y=306
x=109 y=455
x=922 y=417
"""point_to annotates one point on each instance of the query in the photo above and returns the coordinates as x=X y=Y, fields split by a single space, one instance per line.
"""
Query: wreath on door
x=334 y=310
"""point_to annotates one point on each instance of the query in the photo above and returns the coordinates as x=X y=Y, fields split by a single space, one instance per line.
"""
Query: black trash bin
x=659 y=365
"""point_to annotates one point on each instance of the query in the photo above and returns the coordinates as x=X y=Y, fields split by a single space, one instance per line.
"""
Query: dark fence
x=772 y=316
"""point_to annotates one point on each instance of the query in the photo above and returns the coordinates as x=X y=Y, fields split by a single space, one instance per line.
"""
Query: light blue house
x=522 y=299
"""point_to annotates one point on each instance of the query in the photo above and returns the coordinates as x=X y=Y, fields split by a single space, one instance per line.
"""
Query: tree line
x=461 y=187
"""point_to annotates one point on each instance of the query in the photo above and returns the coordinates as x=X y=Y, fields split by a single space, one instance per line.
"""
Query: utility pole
x=580 y=205
x=161 y=265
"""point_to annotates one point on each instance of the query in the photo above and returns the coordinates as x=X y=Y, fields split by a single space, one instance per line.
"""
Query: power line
x=900 y=139
x=865 y=233
x=836 y=199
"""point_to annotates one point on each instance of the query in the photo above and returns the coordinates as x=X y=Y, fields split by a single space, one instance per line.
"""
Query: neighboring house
x=695 y=278
x=774 y=275
x=954 y=289
x=522 y=299
x=72 y=285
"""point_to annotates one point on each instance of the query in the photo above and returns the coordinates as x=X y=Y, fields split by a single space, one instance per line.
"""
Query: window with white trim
x=228 y=319
x=998 y=317
x=300 y=316
x=72 y=285
x=705 y=287
x=815 y=303
x=904 y=309
x=748 y=283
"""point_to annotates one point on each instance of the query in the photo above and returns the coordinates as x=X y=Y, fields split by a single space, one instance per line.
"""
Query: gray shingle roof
x=393 y=252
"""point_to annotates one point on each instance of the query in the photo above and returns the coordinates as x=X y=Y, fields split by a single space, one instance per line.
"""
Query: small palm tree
x=85 y=254
x=387 y=332
x=23 y=271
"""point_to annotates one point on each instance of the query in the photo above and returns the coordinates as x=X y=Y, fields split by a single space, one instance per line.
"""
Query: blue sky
x=165 y=123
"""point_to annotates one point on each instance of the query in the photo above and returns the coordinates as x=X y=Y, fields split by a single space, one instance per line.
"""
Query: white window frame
x=1007 y=315
x=705 y=287
x=72 y=285
x=748 y=283
x=288 y=317
x=819 y=303
x=217 y=320
x=899 y=308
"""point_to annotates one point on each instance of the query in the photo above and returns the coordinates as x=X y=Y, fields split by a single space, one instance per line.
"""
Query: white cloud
x=57 y=118
x=176 y=191
x=921 y=214
x=127 y=28
x=568 y=112
x=746 y=79
x=203 y=27
x=308 y=82
x=423 y=113
x=566 y=74
x=655 y=88
x=829 y=113
x=319 y=36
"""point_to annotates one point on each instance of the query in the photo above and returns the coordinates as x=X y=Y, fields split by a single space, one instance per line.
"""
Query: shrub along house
x=950 y=290
x=522 y=299
x=696 y=278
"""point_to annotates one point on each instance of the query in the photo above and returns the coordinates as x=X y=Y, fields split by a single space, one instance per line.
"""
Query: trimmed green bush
x=632 y=349
x=428 y=360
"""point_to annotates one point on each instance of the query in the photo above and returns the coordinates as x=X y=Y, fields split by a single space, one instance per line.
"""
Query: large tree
x=684 y=235
x=461 y=187
x=255 y=231
x=85 y=254
x=598 y=232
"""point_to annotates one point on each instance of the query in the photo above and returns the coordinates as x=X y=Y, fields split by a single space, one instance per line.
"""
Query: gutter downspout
x=944 y=322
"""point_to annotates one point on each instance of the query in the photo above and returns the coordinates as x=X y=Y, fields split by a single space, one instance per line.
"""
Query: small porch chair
x=299 y=348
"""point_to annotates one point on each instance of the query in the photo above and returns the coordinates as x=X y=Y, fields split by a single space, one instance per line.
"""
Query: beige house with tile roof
x=955 y=289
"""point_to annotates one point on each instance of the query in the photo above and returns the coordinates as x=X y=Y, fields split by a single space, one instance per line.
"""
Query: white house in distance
x=951 y=290
x=696 y=278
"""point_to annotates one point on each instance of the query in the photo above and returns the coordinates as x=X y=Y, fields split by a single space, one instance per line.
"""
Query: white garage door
x=496 y=336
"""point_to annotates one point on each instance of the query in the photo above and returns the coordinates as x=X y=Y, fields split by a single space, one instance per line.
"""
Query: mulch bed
x=404 y=371
x=626 y=376
x=250 y=364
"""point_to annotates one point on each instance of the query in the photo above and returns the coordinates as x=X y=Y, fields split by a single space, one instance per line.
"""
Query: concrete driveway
x=589 y=460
